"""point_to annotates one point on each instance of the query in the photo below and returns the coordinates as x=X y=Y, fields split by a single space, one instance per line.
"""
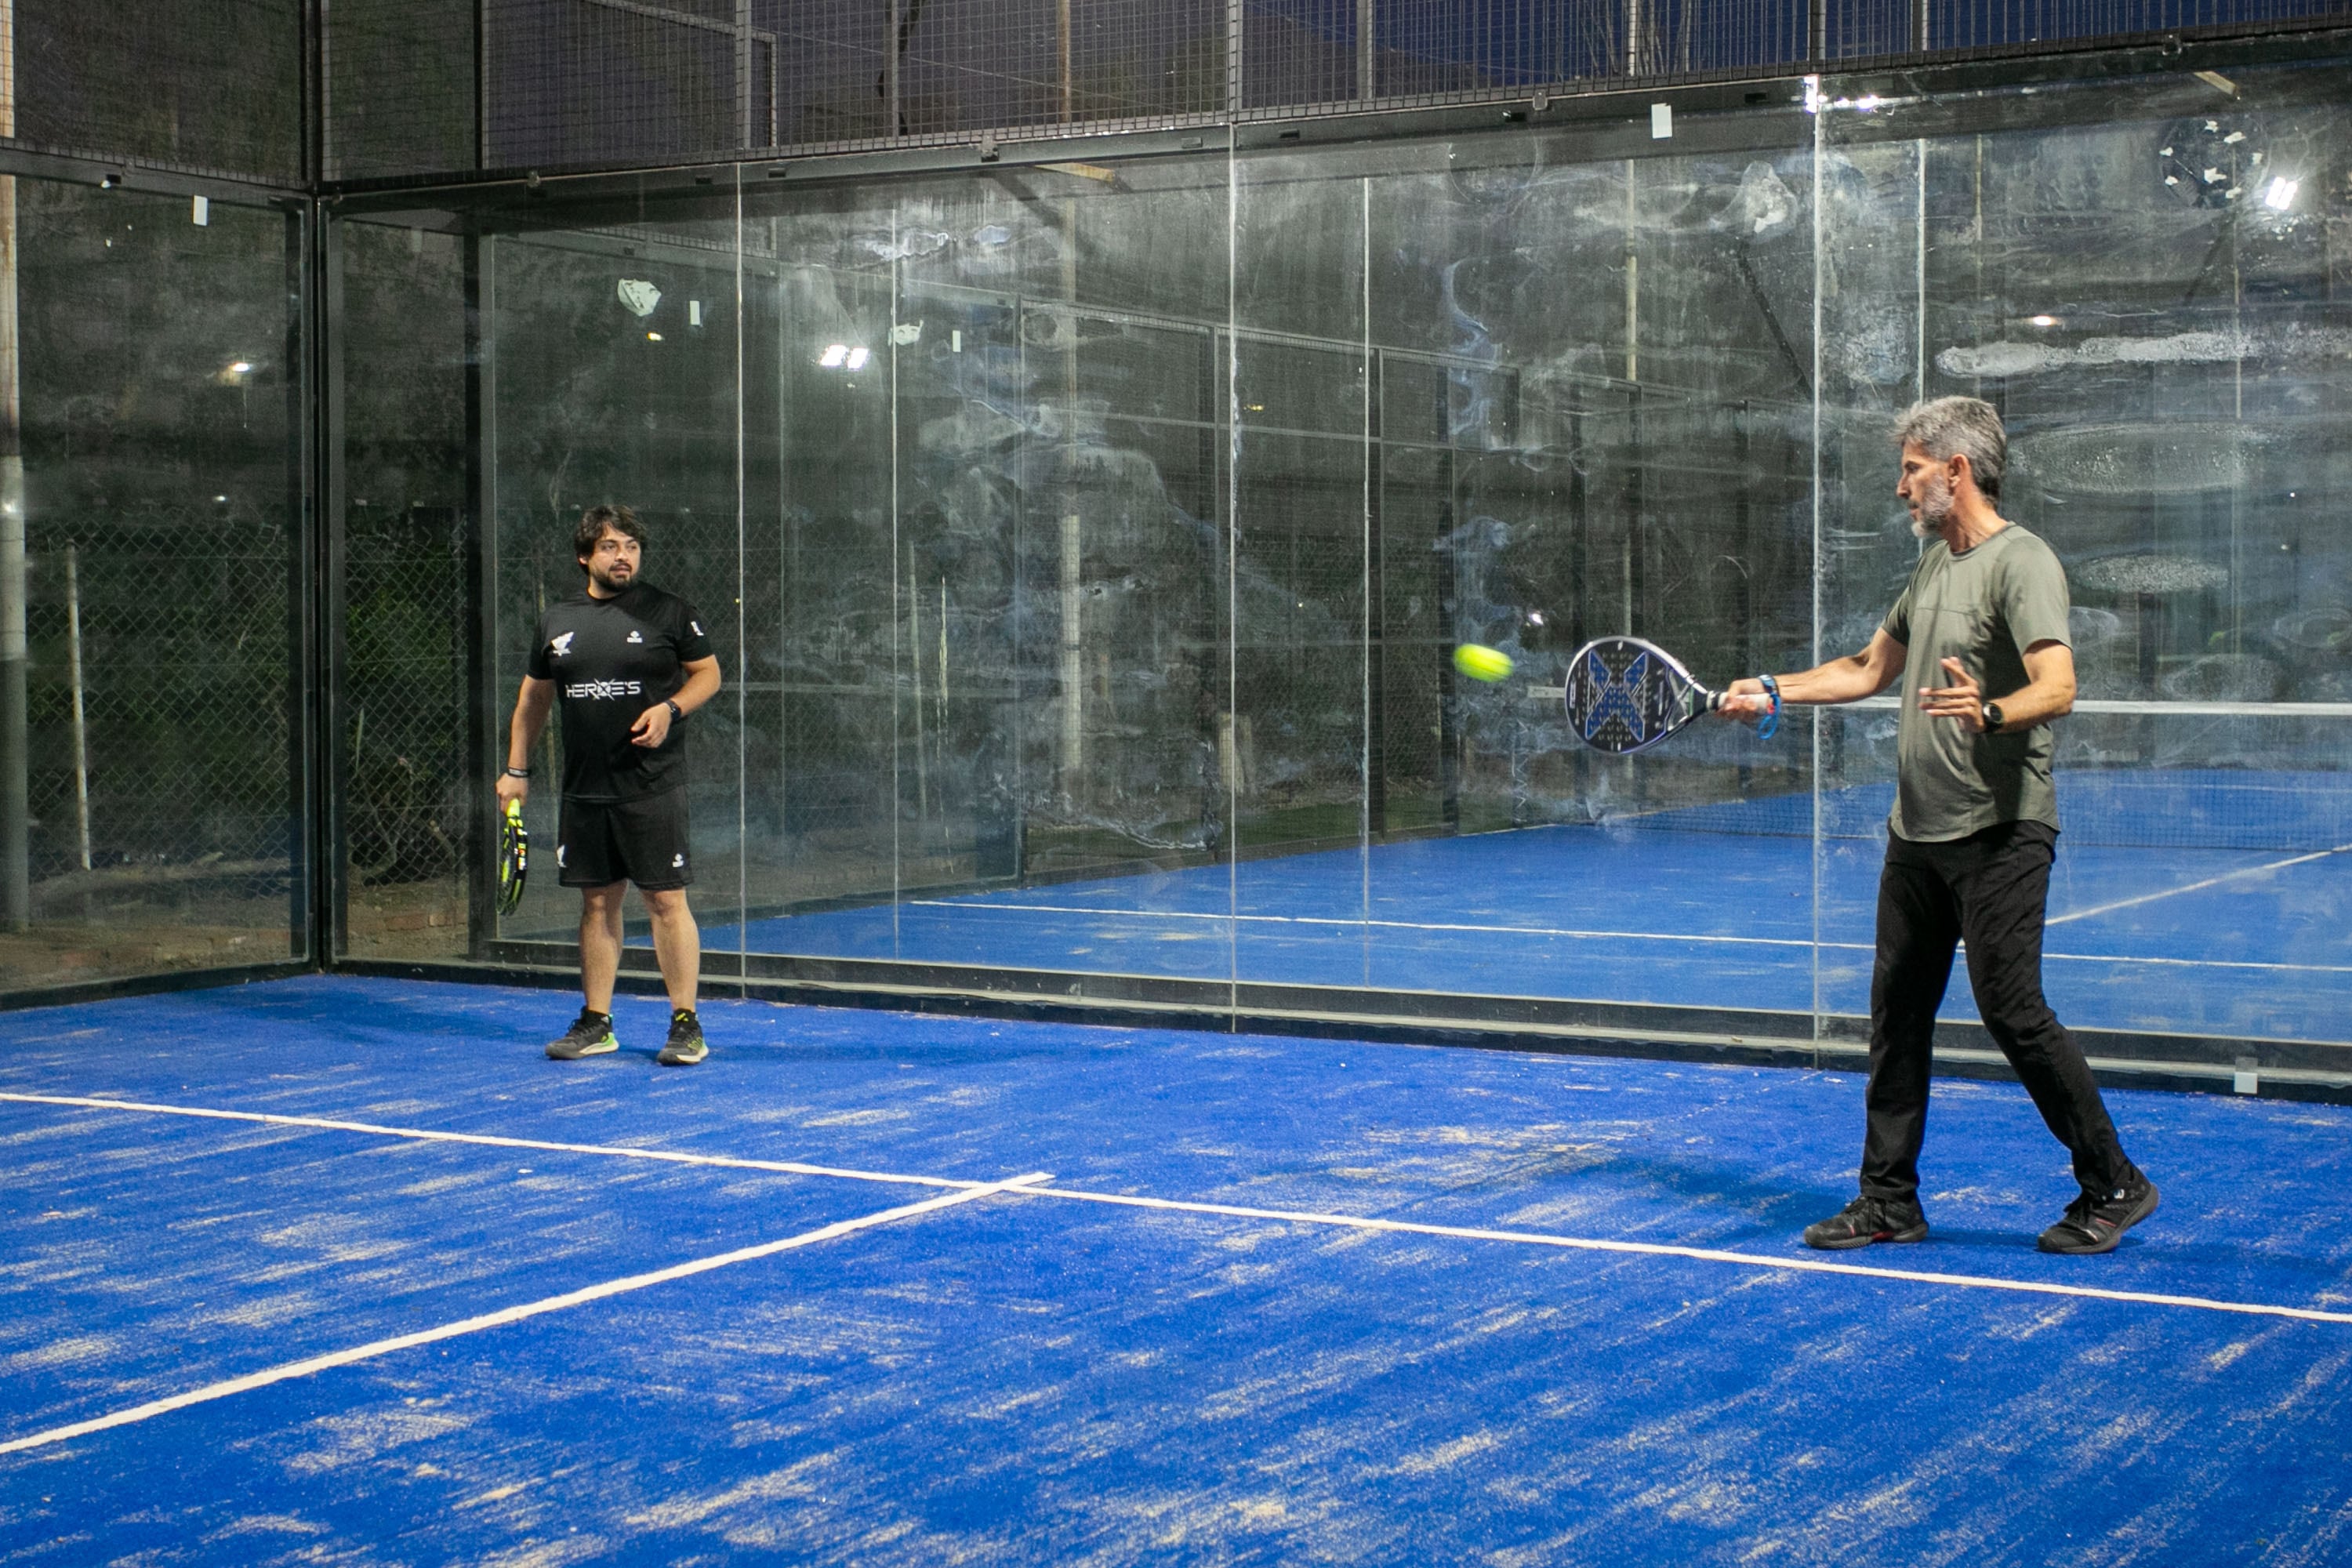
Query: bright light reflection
x=858 y=358
x=833 y=356
x=2281 y=195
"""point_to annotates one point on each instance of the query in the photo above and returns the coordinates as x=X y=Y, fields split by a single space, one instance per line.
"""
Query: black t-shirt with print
x=611 y=659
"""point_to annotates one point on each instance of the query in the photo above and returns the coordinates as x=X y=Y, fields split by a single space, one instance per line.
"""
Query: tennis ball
x=1482 y=663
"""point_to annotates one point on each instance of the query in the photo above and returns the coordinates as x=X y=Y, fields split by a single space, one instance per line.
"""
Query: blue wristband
x=1772 y=720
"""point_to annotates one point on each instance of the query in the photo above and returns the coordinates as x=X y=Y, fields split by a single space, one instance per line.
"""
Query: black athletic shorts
x=640 y=841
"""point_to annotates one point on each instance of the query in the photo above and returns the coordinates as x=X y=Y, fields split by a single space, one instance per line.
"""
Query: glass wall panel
x=824 y=646
x=1587 y=414
x=1295 y=751
x=611 y=371
x=403 y=808
x=2153 y=295
x=999 y=640
x=161 y=756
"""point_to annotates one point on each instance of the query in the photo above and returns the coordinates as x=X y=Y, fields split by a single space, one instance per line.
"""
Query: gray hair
x=1969 y=428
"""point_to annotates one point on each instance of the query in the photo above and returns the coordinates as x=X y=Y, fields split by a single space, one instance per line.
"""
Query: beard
x=1935 y=507
x=608 y=581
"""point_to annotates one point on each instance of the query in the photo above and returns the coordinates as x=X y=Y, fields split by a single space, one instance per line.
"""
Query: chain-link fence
x=162 y=782
x=213 y=86
x=419 y=90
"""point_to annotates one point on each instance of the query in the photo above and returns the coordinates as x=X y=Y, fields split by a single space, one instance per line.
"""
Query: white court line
x=1678 y=936
x=1385 y=925
x=426 y=1134
x=2196 y=887
x=1357 y=1222
x=1703 y=1254
x=505 y=1315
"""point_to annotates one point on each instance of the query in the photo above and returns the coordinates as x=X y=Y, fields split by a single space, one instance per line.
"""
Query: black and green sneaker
x=591 y=1035
x=684 y=1047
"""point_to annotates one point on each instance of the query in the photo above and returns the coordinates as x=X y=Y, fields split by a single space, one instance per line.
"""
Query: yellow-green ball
x=1482 y=663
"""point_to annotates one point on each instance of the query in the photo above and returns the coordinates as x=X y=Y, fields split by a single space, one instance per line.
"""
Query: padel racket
x=514 y=858
x=1625 y=695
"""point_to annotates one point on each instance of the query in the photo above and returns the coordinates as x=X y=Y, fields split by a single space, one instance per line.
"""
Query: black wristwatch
x=1991 y=714
x=675 y=712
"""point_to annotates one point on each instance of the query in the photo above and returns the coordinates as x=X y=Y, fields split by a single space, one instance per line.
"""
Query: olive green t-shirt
x=1984 y=607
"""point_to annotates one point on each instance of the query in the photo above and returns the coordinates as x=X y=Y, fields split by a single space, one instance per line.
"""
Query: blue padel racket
x=1625 y=695
x=514 y=858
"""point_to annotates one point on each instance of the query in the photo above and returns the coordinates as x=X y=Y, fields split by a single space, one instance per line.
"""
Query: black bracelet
x=675 y=712
x=517 y=773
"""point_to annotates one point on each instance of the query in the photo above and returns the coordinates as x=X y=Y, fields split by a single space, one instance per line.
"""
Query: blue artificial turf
x=1031 y=1380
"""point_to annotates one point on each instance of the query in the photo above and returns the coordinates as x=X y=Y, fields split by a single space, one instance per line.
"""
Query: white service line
x=426 y=1134
x=1147 y=915
x=1028 y=1188
x=1381 y=925
x=505 y=1315
x=1701 y=1254
x=2195 y=887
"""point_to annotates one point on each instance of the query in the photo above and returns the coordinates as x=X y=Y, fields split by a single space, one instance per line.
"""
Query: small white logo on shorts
x=559 y=857
x=636 y=636
x=675 y=860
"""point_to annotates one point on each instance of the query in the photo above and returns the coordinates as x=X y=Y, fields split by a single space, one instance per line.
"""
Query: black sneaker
x=684 y=1047
x=2096 y=1222
x=1866 y=1220
x=591 y=1035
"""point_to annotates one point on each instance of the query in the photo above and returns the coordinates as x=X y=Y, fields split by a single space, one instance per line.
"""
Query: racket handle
x=1772 y=720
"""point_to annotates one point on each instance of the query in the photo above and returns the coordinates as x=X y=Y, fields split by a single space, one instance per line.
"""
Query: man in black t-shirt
x=630 y=662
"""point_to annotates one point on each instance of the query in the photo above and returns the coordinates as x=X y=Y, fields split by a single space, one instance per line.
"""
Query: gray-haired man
x=1979 y=641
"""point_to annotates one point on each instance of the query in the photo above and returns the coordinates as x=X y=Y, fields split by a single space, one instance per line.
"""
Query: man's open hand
x=1962 y=702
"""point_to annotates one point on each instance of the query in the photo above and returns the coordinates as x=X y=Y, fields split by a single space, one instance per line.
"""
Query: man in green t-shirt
x=1979 y=641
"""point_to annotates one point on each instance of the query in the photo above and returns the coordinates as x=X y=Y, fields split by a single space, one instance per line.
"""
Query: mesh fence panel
x=1980 y=24
x=213 y=85
x=572 y=83
x=401 y=91
x=182 y=681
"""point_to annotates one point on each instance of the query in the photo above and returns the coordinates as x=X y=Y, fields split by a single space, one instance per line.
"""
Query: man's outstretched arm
x=1849 y=680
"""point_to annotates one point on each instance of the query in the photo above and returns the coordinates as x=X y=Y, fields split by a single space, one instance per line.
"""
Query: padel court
x=342 y=1270
x=2187 y=901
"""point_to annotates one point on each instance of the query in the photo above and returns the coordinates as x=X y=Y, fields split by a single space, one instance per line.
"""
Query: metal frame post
x=332 y=918
x=16 y=805
x=481 y=586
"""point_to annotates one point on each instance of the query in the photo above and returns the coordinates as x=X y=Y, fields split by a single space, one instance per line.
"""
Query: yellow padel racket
x=514 y=858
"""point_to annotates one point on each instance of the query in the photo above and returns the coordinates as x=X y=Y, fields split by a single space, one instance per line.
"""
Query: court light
x=2281 y=195
x=858 y=358
x=833 y=356
x=2045 y=320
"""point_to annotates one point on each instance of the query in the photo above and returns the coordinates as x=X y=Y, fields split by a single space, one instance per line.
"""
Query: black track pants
x=1990 y=890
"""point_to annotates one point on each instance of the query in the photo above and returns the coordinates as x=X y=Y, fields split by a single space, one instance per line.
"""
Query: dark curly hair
x=595 y=520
